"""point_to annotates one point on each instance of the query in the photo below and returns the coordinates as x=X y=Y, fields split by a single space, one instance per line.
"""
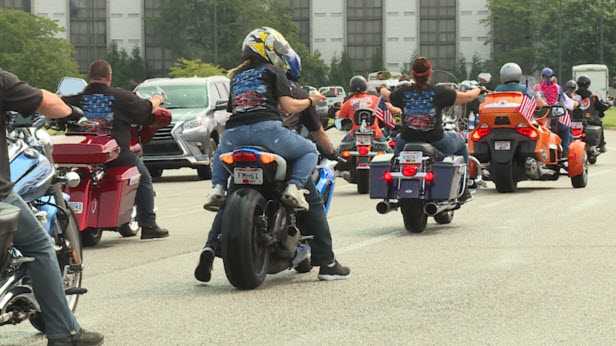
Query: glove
x=333 y=156
x=162 y=118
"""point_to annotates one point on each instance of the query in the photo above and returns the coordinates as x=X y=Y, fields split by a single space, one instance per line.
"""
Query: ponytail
x=239 y=68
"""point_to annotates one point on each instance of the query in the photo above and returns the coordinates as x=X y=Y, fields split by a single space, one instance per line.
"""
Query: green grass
x=610 y=118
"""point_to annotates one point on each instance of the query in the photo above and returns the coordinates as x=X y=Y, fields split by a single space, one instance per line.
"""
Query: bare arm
x=464 y=97
x=53 y=107
x=291 y=105
x=320 y=136
x=156 y=101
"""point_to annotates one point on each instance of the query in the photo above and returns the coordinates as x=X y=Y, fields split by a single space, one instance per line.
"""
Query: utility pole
x=216 y=32
x=601 y=48
x=560 y=40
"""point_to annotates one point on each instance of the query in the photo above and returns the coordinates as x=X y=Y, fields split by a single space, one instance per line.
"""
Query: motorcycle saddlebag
x=8 y=227
x=115 y=196
x=593 y=135
x=448 y=177
x=378 y=187
x=90 y=150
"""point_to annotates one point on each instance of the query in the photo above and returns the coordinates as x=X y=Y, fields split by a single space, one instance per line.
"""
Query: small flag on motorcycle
x=565 y=119
x=528 y=107
x=383 y=114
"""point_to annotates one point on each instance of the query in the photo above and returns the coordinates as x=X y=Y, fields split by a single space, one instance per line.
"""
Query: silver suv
x=199 y=114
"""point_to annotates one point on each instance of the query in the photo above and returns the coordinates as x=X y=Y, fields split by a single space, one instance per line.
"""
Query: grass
x=610 y=119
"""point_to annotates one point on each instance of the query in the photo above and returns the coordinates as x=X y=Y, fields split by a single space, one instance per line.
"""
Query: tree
x=341 y=70
x=30 y=49
x=377 y=63
x=476 y=67
x=314 y=70
x=194 y=68
x=128 y=70
x=461 y=71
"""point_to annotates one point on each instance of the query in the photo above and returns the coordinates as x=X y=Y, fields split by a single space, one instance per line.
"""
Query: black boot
x=84 y=338
x=153 y=232
x=203 y=272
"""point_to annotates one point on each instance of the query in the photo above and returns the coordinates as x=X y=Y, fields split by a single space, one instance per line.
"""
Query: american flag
x=527 y=108
x=565 y=119
x=383 y=114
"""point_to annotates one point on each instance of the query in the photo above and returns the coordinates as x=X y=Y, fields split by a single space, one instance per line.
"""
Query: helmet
x=571 y=85
x=510 y=72
x=547 y=73
x=484 y=77
x=583 y=82
x=269 y=45
x=294 y=63
x=358 y=84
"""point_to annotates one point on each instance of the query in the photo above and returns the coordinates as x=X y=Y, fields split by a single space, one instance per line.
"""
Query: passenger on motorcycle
x=511 y=76
x=60 y=323
x=421 y=106
x=124 y=109
x=359 y=99
x=259 y=89
x=590 y=103
x=312 y=222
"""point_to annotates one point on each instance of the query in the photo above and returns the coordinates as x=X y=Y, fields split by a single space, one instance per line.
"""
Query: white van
x=599 y=76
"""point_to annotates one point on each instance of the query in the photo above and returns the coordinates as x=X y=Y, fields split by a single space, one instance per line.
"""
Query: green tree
x=30 y=49
x=341 y=70
x=194 y=68
x=128 y=70
x=477 y=67
x=461 y=71
x=314 y=70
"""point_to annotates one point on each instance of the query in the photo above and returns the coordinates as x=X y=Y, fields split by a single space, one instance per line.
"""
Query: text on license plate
x=363 y=139
x=248 y=176
x=411 y=157
x=502 y=145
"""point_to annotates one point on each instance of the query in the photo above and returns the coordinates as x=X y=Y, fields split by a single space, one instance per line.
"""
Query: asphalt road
x=535 y=267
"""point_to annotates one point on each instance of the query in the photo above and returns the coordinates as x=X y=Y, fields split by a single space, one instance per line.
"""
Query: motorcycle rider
x=311 y=222
x=359 y=99
x=126 y=109
x=591 y=103
x=510 y=77
x=421 y=106
x=258 y=88
x=61 y=327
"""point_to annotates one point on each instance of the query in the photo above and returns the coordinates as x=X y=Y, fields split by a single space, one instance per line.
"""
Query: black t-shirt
x=254 y=95
x=422 y=111
x=17 y=96
x=308 y=118
x=123 y=108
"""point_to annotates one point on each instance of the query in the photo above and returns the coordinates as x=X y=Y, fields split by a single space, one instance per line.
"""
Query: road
x=535 y=267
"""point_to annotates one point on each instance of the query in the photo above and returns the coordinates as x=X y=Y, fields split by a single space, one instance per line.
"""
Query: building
x=390 y=32
x=93 y=26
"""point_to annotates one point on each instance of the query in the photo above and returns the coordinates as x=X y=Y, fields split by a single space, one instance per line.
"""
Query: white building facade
x=395 y=30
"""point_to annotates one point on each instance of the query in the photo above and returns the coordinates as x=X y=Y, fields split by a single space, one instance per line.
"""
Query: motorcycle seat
x=427 y=149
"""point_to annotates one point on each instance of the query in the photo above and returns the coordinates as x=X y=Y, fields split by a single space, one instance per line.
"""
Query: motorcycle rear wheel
x=580 y=181
x=91 y=237
x=415 y=220
x=503 y=177
x=245 y=256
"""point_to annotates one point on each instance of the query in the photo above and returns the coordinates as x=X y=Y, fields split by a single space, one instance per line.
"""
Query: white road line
x=369 y=242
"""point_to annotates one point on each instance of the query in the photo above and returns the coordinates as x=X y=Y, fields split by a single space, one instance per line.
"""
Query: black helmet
x=358 y=84
x=583 y=82
x=571 y=85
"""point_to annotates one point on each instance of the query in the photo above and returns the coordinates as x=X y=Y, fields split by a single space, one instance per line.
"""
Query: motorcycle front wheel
x=244 y=251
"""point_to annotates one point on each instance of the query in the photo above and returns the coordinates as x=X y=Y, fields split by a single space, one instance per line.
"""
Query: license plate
x=77 y=207
x=502 y=145
x=248 y=176
x=413 y=157
x=577 y=125
x=363 y=139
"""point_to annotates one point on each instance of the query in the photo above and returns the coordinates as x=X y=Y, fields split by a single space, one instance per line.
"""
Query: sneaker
x=216 y=199
x=153 y=232
x=294 y=197
x=334 y=271
x=83 y=338
x=203 y=272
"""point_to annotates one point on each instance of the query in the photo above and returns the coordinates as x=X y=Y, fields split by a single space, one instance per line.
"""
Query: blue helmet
x=547 y=73
x=294 y=64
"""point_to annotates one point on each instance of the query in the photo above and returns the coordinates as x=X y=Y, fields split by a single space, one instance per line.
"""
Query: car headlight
x=192 y=124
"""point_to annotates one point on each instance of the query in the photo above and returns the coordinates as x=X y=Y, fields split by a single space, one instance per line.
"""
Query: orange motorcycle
x=513 y=143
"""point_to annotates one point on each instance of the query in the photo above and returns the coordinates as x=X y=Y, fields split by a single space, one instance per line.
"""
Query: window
x=88 y=29
x=300 y=11
x=24 y=5
x=180 y=96
x=364 y=32
x=158 y=60
x=437 y=32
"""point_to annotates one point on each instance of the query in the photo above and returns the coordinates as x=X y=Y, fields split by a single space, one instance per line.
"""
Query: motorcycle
x=360 y=149
x=40 y=186
x=586 y=128
x=512 y=147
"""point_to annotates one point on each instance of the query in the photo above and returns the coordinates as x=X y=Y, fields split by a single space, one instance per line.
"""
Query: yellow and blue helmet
x=269 y=45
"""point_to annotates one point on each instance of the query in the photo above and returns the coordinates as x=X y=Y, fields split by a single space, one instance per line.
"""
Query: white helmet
x=510 y=72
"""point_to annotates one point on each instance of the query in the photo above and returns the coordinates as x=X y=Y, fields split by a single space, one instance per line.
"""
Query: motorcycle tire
x=592 y=159
x=415 y=220
x=580 y=181
x=91 y=237
x=363 y=181
x=444 y=218
x=304 y=266
x=245 y=257
x=502 y=176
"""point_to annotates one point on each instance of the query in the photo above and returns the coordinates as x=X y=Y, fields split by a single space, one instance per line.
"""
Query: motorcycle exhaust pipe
x=385 y=207
x=432 y=209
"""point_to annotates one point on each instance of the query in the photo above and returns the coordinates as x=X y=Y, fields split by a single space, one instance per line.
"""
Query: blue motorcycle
x=38 y=183
x=324 y=178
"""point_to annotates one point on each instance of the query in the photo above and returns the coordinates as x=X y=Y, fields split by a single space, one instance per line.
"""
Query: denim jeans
x=271 y=135
x=32 y=240
x=144 y=200
x=312 y=222
x=452 y=143
x=564 y=133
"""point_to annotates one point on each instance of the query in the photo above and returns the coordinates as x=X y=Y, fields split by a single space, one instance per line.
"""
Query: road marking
x=369 y=242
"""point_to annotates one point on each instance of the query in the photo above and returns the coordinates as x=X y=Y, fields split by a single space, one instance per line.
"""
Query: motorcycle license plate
x=77 y=207
x=502 y=145
x=412 y=157
x=248 y=176
x=363 y=139
x=577 y=125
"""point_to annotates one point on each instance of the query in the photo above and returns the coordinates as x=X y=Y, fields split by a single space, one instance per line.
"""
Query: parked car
x=199 y=114
x=334 y=97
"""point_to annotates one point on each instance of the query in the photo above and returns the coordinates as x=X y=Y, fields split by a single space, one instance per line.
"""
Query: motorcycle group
x=273 y=172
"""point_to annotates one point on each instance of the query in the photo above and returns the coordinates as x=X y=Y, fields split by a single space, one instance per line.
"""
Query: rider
x=61 y=327
x=126 y=109
x=259 y=89
x=511 y=76
x=359 y=99
x=312 y=222
x=591 y=103
x=421 y=106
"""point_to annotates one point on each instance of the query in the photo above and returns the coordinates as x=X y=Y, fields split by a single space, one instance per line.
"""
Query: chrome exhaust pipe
x=432 y=209
x=385 y=207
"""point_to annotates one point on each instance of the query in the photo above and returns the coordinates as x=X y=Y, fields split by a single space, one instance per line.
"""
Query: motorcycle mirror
x=69 y=86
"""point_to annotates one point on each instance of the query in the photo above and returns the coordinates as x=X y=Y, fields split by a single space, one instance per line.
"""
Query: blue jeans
x=32 y=240
x=452 y=143
x=564 y=133
x=271 y=135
